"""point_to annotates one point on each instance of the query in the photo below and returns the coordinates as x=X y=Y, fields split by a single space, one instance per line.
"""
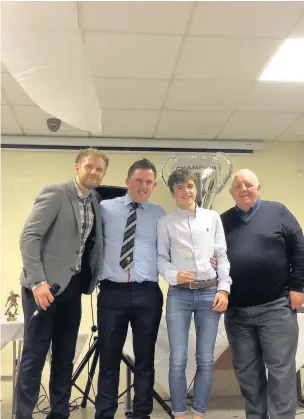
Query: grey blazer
x=50 y=239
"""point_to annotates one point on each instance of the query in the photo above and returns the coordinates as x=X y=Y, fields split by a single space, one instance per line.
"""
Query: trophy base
x=11 y=319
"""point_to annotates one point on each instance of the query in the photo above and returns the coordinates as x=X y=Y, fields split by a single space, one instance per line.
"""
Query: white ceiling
x=178 y=70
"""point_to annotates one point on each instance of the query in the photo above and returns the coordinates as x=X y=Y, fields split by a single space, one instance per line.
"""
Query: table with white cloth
x=162 y=350
x=300 y=355
x=300 y=350
x=12 y=331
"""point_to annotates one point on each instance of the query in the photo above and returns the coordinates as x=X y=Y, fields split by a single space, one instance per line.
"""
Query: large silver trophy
x=211 y=177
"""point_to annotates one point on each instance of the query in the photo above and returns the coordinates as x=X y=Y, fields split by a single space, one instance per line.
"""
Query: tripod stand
x=94 y=352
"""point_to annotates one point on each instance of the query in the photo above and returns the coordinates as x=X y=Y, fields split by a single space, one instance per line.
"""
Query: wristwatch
x=37 y=284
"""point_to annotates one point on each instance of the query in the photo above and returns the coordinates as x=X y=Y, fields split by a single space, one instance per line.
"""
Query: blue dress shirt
x=114 y=213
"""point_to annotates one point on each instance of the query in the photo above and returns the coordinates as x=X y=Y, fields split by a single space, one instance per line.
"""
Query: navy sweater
x=266 y=253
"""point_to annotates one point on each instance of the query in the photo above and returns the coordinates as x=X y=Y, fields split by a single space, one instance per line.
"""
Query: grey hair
x=246 y=172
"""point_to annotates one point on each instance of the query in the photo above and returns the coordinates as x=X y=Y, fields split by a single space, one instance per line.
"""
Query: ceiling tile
x=220 y=58
x=246 y=19
x=3 y=68
x=297 y=128
x=126 y=123
x=291 y=138
x=125 y=55
x=246 y=125
x=179 y=124
x=14 y=92
x=144 y=17
x=9 y=124
x=275 y=97
x=42 y=14
x=131 y=94
x=34 y=118
x=207 y=95
x=298 y=30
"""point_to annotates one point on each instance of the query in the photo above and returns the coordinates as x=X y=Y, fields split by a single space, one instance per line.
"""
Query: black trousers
x=58 y=325
x=118 y=304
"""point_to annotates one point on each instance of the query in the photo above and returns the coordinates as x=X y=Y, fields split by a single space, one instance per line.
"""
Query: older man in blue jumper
x=265 y=247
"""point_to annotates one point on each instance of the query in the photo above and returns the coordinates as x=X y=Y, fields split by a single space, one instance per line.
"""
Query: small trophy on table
x=12 y=305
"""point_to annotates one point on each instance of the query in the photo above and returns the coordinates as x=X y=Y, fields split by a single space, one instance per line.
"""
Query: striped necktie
x=126 y=254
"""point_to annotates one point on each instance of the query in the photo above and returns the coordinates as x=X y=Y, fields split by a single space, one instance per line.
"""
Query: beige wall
x=24 y=173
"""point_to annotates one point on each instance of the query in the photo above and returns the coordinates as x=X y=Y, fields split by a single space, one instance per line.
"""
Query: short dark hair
x=92 y=152
x=141 y=164
x=180 y=176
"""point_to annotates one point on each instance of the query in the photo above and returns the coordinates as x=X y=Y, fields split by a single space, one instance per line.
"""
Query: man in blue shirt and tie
x=129 y=291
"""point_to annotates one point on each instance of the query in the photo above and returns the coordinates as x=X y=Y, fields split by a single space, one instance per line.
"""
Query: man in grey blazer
x=61 y=243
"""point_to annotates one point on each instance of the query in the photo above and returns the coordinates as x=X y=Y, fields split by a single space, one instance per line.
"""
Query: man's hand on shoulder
x=43 y=296
x=296 y=299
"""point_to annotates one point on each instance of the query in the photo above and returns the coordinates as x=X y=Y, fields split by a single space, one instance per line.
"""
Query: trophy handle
x=171 y=157
x=223 y=182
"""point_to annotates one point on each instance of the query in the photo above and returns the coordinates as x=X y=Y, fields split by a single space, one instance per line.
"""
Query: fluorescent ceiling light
x=287 y=65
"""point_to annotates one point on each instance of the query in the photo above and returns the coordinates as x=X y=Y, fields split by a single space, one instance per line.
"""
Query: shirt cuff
x=224 y=285
x=296 y=283
x=297 y=288
x=171 y=277
x=37 y=284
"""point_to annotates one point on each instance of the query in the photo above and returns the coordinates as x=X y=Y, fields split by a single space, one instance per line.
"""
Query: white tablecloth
x=11 y=331
x=300 y=351
x=162 y=350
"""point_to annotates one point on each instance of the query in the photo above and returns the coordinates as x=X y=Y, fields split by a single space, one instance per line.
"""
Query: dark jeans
x=59 y=324
x=261 y=337
x=119 y=304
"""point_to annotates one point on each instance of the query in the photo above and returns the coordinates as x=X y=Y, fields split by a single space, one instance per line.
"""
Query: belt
x=118 y=285
x=198 y=284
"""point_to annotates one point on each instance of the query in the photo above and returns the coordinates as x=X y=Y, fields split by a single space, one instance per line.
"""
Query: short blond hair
x=91 y=151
